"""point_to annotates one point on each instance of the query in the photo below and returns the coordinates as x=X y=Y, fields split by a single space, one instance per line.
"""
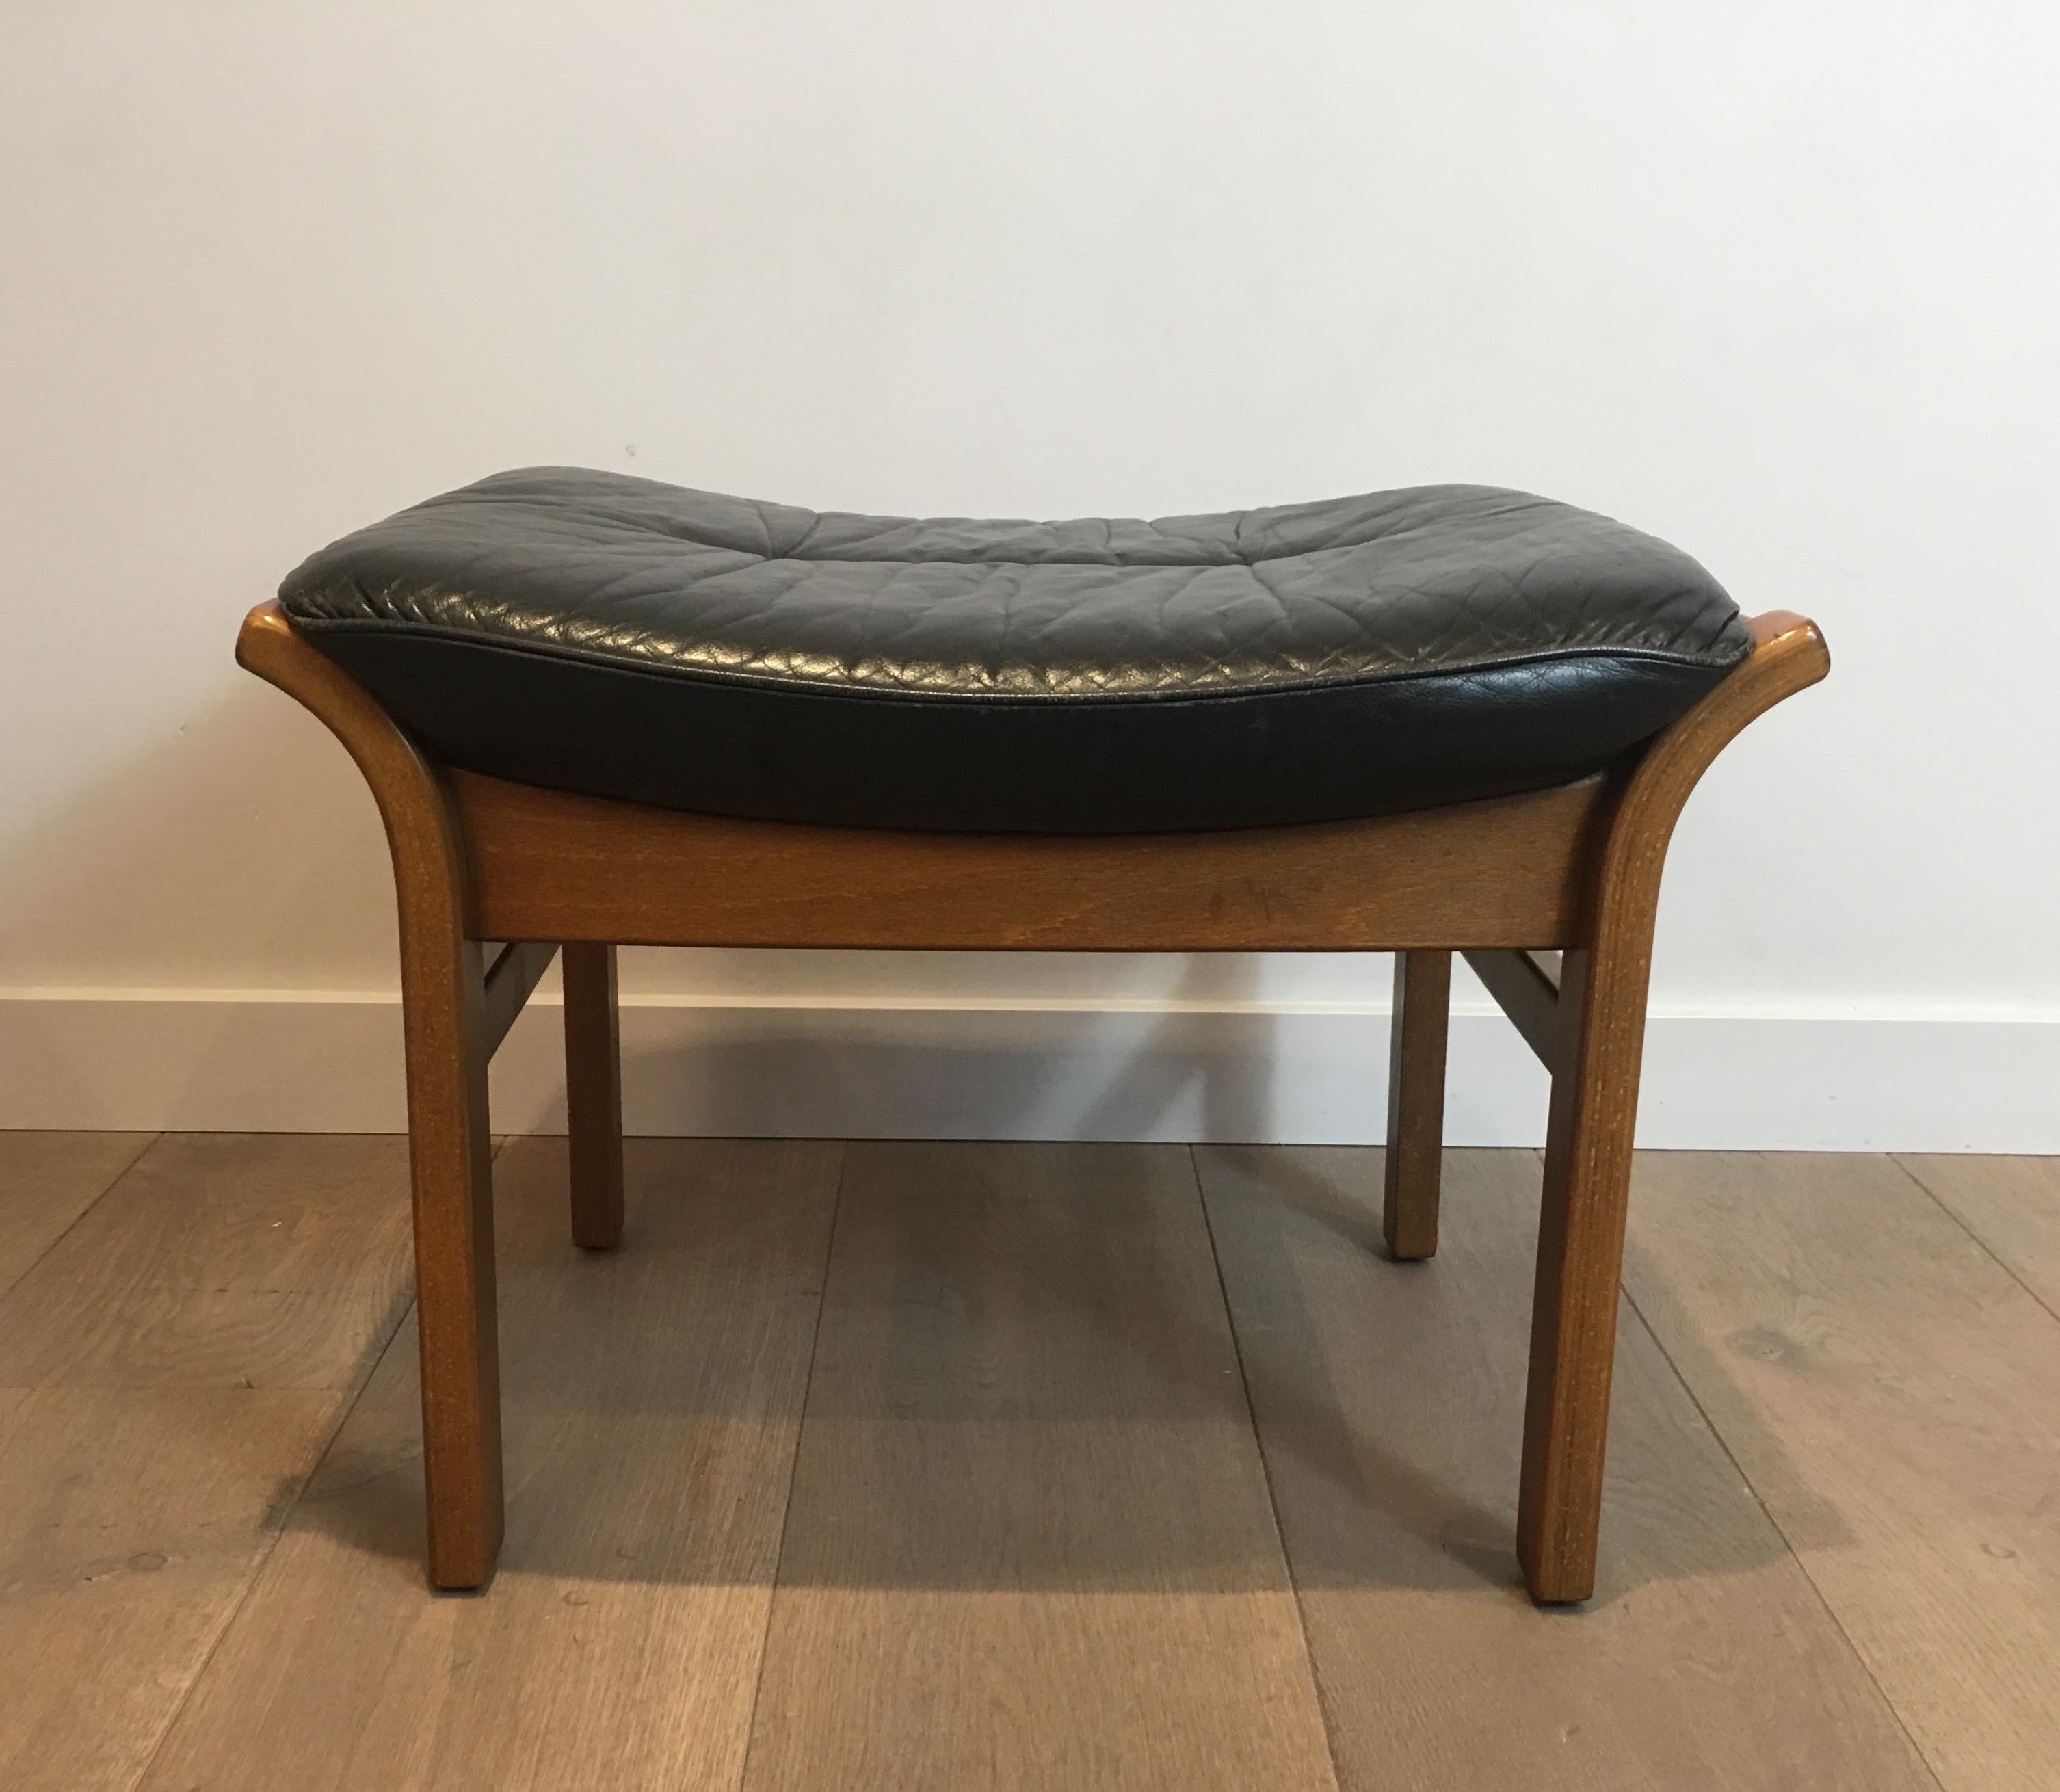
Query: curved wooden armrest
x=269 y=645
x=1770 y=626
x=1788 y=655
x=409 y=786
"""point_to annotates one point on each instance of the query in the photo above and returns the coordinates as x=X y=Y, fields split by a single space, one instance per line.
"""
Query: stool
x=596 y=710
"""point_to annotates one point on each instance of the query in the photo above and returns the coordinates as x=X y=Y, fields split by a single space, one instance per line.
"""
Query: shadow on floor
x=1020 y=1375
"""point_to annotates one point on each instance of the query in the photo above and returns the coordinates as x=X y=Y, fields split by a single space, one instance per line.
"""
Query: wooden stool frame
x=1550 y=896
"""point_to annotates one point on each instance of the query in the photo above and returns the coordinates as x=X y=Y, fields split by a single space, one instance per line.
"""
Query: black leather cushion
x=640 y=641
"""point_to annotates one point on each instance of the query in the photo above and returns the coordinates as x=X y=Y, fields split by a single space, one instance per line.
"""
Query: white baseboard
x=243 y=1061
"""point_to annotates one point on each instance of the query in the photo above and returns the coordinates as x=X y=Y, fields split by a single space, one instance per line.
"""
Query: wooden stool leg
x=593 y=1094
x=1416 y=1102
x=442 y=988
x=1600 y=1036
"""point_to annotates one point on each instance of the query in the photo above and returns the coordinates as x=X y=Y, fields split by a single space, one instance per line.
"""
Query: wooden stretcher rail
x=1525 y=990
x=509 y=982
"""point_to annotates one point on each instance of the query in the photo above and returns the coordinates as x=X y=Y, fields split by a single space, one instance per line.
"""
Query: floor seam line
x=1988 y=1250
x=1266 y=1473
x=793 y=1470
x=1830 y=1611
x=78 y=1218
x=345 y=1408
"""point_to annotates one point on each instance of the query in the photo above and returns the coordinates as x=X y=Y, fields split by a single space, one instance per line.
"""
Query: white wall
x=1777 y=281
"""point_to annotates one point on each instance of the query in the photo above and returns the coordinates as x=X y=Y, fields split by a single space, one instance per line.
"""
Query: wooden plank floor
x=52 y=1179
x=171 y=1367
x=652 y=1399
x=1030 y=1543
x=1390 y=1399
x=1893 y=1392
x=1023 y=1466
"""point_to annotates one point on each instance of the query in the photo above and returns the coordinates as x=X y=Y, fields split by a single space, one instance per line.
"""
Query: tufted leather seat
x=628 y=639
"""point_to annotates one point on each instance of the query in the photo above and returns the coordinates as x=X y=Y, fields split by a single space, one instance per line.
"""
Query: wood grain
x=1597 y=1048
x=446 y=1030
x=131 y=1521
x=1890 y=1391
x=143 y=1475
x=654 y=1396
x=47 y=1179
x=1414 y=1160
x=1030 y=1544
x=551 y=865
x=1068 y=1589
x=594 y=1095
x=1526 y=993
x=450 y=1157
x=222 y=1260
x=2012 y=1204
x=1390 y=1403
x=510 y=980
